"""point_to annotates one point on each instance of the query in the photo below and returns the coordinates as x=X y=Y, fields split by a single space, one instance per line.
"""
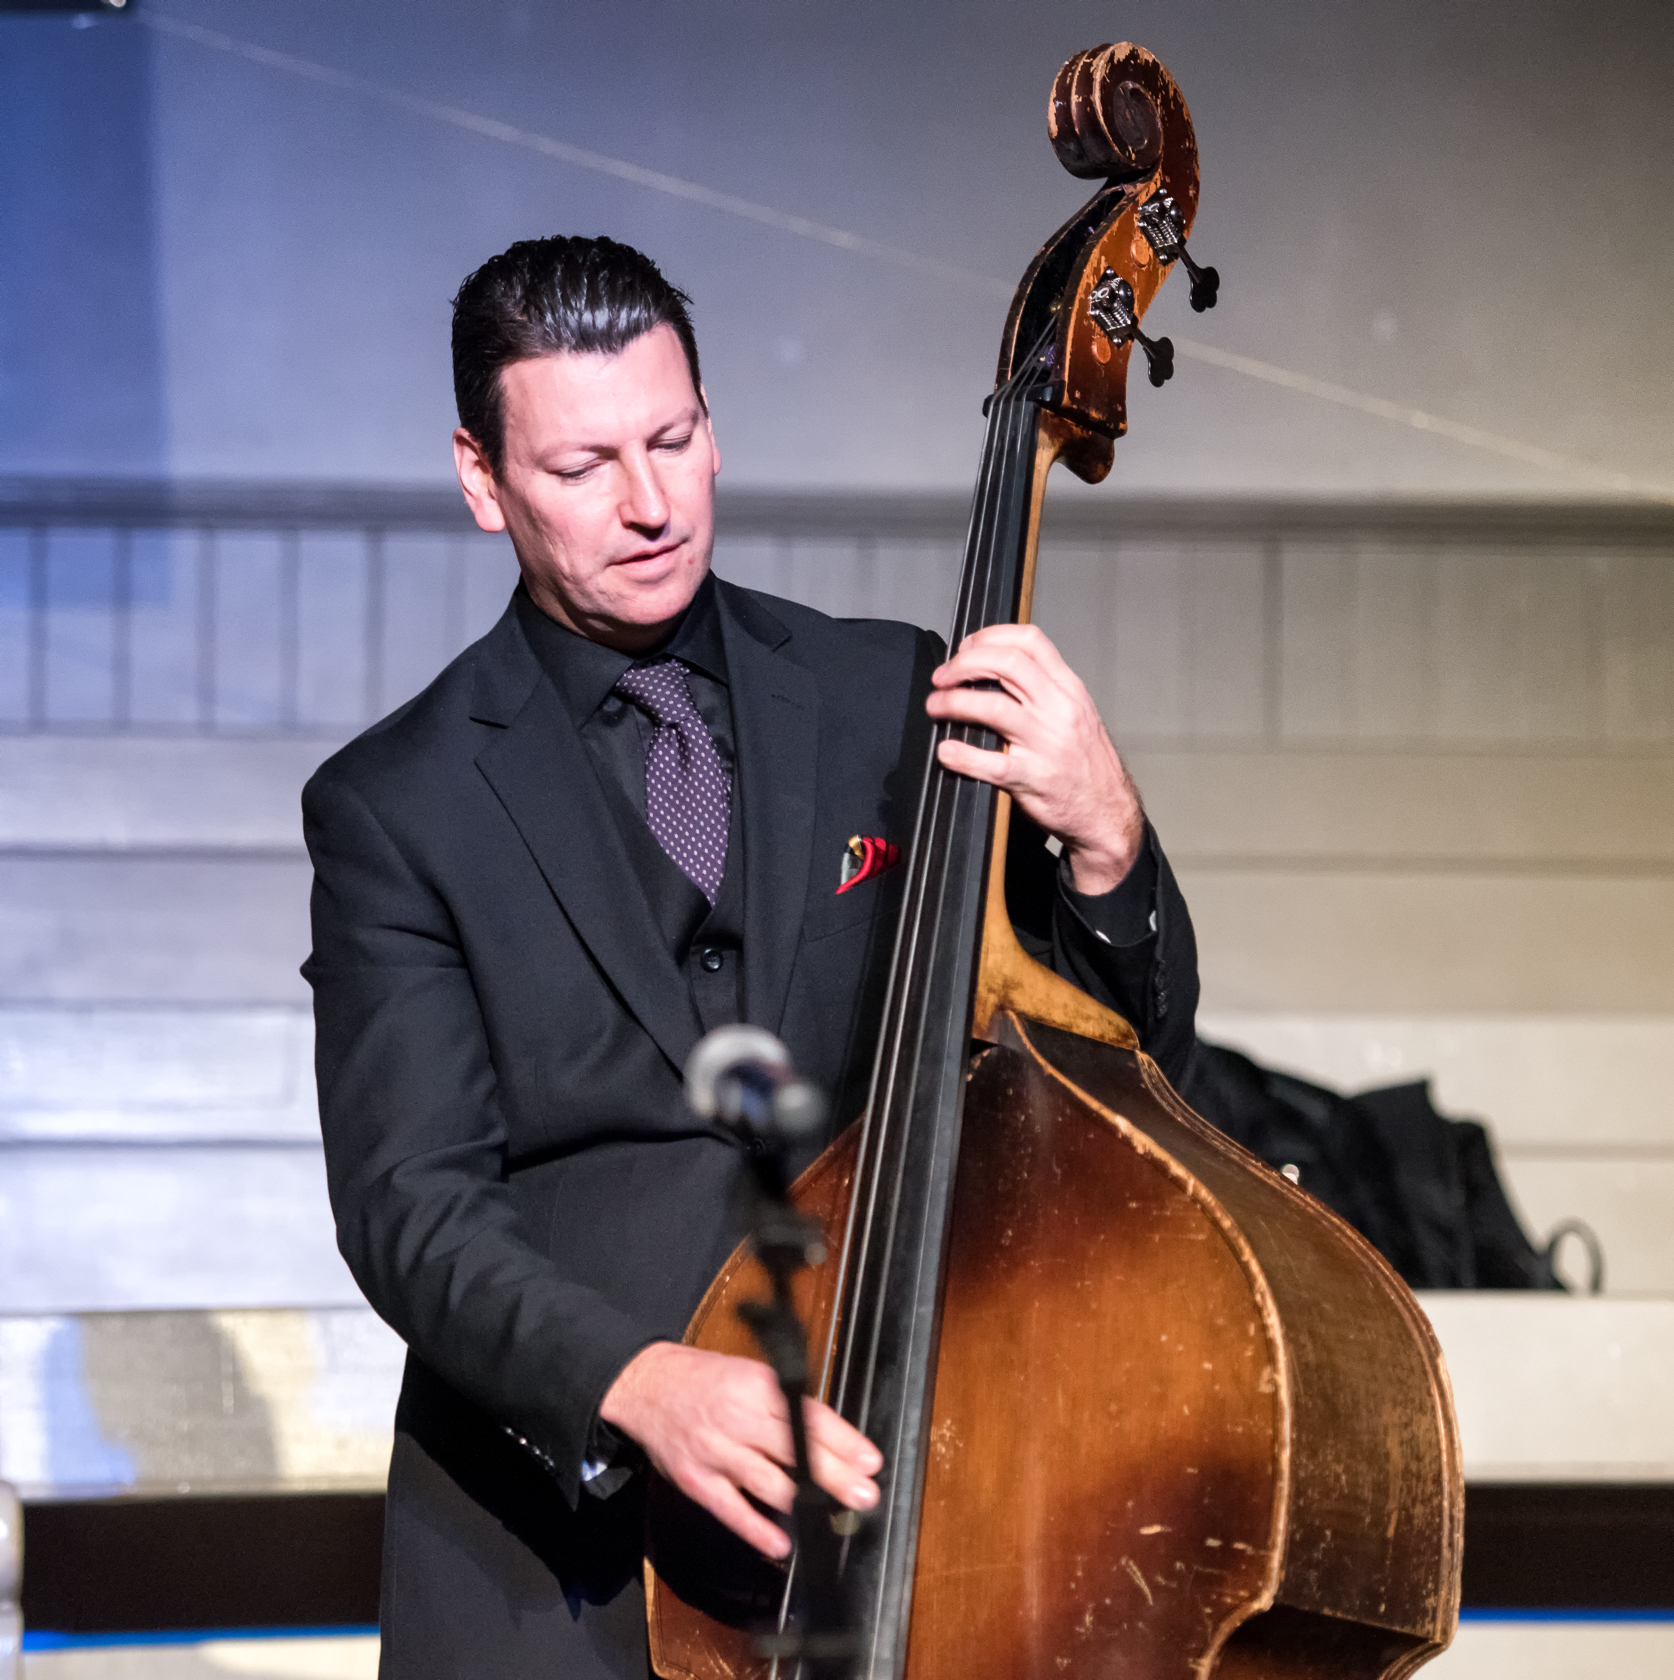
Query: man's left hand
x=1060 y=764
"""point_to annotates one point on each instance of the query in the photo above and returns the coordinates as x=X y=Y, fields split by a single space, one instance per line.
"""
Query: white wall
x=1458 y=208
x=1464 y=874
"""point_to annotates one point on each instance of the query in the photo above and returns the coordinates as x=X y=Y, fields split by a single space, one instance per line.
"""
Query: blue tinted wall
x=231 y=253
x=82 y=382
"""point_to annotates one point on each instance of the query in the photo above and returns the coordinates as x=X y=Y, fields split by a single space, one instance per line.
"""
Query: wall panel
x=251 y=659
x=84 y=619
x=15 y=625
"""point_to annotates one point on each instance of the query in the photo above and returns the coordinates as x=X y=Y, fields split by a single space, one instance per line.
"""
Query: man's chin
x=658 y=605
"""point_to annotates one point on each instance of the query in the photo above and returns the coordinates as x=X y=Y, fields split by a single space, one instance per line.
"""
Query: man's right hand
x=717 y=1428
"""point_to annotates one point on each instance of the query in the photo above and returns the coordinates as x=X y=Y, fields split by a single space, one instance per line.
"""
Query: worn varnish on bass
x=1148 y=1410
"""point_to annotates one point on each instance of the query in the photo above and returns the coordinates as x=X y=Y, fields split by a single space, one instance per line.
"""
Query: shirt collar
x=585 y=672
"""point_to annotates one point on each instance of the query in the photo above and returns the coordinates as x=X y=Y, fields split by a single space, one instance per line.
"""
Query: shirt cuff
x=608 y=1463
x=1127 y=914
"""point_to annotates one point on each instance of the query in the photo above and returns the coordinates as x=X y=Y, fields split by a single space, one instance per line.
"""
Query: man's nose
x=644 y=501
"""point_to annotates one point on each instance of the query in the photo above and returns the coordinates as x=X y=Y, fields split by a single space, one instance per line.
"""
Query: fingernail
x=863 y=1496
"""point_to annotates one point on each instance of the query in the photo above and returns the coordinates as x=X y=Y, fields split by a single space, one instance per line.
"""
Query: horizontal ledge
x=30 y=1134
x=180 y=1143
x=202 y=1488
x=1612 y=1154
x=329 y=736
x=1557 y=1480
x=1232 y=863
x=1257 y=743
x=34 y=1133
x=127 y=1008
x=1578 y=1474
x=299 y=505
x=314 y=1559
x=161 y=851
x=1372 y=863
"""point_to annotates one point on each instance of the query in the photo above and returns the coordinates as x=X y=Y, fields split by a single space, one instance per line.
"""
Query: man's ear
x=476 y=479
x=709 y=422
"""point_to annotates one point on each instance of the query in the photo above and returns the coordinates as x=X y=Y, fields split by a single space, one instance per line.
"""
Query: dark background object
x=1424 y=1190
x=1569 y=1545
x=154 y=1565
x=311 y=1560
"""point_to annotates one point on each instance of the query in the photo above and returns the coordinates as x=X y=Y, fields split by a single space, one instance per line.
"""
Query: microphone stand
x=823 y=1639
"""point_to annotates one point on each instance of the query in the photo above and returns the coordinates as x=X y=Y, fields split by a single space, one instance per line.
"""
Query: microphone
x=741 y=1077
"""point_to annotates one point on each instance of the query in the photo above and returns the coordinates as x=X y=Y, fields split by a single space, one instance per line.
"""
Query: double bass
x=1148 y=1411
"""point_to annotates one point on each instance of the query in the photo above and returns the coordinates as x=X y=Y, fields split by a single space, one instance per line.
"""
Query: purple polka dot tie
x=688 y=786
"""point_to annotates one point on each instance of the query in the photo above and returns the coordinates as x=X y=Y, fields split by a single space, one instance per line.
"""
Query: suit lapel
x=542 y=774
x=775 y=714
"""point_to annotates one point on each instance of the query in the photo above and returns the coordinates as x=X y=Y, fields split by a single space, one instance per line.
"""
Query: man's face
x=607 y=486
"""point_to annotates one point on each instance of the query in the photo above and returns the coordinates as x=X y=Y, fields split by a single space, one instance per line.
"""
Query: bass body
x=1186 y=1421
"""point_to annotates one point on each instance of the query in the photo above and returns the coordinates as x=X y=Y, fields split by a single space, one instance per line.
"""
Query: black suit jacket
x=518 y=1187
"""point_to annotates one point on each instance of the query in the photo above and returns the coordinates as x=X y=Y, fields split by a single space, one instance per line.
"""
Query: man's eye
x=573 y=475
x=674 y=445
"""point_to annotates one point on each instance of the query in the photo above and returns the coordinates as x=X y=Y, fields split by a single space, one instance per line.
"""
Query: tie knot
x=660 y=689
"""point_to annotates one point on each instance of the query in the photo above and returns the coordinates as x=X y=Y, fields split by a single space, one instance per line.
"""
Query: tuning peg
x=1206 y=283
x=1159 y=357
x=1111 y=306
x=1165 y=231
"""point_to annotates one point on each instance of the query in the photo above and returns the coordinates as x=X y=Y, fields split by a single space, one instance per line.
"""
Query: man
x=617 y=821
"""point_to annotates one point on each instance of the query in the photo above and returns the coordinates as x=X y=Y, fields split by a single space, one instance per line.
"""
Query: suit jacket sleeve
x=1132 y=949
x=416 y=1149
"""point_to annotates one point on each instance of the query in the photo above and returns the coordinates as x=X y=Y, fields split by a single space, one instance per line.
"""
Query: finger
x=987 y=662
x=1017 y=669
x=764 y=1428
x=842 y=1460
x=983 y=706
x=858 y=1493
x=994 y=641
x=761 y=1478
x=965 y=760
x=1006 y=635
x=1011 y=643
x=837 y=1435
x=723 y=1501
x=1027 y=638
x=840 y=1477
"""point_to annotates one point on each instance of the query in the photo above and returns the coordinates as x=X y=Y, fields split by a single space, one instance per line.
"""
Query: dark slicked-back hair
x=540 y=297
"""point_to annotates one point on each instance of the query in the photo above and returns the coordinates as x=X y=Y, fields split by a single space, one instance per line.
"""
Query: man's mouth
x=646 y=555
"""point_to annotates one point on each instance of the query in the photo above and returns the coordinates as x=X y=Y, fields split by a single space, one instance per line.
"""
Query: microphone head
x=723 y=1051
x=799 y=1111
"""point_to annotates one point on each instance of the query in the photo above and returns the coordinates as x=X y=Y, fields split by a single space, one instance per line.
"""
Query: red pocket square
x=865 y=856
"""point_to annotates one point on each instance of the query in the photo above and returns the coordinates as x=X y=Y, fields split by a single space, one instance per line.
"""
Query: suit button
x=713 y=961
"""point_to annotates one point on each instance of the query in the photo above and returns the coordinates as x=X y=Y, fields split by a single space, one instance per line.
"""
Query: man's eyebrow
x=689 y=418
x=577 y=446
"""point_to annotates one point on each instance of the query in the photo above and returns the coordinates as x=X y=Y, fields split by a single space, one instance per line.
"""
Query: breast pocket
x=862 y=901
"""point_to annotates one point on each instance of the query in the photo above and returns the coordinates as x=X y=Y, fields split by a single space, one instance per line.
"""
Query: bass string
x=903 y=968
x=994 y=479
x=988 y=559
x=985 y=578
x=876 y=1135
